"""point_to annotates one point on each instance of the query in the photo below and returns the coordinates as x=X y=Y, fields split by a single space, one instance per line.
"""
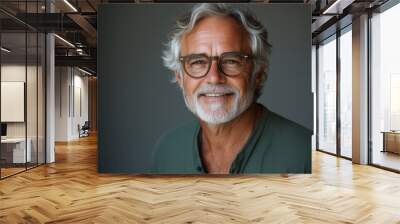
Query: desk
x=391 y=141
x=15 y=148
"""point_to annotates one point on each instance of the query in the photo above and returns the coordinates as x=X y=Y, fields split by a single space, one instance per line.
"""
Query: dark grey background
x=136 y=100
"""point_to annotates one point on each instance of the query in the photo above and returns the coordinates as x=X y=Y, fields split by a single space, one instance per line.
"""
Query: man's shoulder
x=289 y=145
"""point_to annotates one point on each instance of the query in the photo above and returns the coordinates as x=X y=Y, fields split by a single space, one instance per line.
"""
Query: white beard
x=215 y=113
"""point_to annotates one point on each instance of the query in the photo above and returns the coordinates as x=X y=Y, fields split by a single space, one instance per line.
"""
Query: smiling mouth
x=215 y=97
x=215 y=94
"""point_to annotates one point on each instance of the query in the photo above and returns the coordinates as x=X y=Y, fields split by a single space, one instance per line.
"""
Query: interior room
x=50 y=110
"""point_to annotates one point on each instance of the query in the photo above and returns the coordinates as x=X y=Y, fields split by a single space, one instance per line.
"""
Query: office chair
x=84 y=130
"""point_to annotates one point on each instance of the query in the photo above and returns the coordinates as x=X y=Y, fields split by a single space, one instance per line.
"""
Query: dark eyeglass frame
x=183 y=59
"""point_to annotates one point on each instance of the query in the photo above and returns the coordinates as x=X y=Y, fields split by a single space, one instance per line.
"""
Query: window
x=385 y=88
x=346 y=92
x=327 y=95
x=22 y=78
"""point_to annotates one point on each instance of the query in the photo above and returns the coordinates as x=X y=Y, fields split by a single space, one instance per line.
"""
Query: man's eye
x=231 y=62
x=198 y=62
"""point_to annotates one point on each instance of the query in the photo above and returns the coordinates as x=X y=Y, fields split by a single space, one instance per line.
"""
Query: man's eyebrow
x=203 y=53
x=195 y=54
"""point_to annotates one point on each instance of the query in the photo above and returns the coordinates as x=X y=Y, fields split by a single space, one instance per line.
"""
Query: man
x=219 y=57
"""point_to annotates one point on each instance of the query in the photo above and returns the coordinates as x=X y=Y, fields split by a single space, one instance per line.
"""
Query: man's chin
x=214 y=117
x=215 y=108
x=215 y=121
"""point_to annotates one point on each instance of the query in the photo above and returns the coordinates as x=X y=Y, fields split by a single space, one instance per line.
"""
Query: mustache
x=215 y=88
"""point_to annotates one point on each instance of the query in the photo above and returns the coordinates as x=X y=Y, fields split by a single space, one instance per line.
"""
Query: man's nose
x=214 y=75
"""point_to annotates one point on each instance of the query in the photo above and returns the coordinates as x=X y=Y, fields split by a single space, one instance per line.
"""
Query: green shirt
x=276 y=145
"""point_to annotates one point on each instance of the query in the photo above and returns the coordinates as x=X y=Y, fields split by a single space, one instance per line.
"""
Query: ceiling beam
x=86 y=26
x=83 y=61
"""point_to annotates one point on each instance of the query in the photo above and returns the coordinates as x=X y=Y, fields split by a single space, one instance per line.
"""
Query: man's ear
x=178 y=78
x=259 y=76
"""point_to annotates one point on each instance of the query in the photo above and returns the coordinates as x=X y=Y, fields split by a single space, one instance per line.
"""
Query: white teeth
x=214 y=94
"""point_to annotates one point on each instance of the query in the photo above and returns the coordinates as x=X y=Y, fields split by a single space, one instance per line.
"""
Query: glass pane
x=31 y=85
x=386 y=89
x=13 y=86
x=23 y=84
x=327 y=96
x=41 y=98
x=346 y=94
x=31 y=100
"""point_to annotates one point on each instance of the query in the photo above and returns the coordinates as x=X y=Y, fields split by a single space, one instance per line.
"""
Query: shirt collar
x=239 y=163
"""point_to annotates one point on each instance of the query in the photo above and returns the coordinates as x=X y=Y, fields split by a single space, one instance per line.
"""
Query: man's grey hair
x=258 y=37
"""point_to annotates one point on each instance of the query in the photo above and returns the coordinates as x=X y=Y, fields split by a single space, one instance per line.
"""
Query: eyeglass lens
x=230 y=63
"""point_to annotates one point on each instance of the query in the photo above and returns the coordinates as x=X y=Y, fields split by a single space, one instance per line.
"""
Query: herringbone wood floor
x=71 y=191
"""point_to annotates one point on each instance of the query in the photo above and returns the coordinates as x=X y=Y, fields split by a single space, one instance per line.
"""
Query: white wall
x=33 y=126
x=71 y=102
x=81 y=104
x=12 y=73
x=62 y=81
x=16 y=73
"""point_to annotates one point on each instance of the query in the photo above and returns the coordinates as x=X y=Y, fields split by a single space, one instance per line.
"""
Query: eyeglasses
x=229 y=63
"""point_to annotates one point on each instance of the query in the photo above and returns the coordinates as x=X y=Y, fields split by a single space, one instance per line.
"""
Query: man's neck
x=221 y=143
